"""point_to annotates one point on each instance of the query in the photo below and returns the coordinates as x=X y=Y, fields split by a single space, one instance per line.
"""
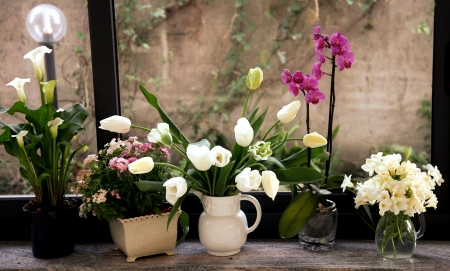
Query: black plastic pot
x=53 y=233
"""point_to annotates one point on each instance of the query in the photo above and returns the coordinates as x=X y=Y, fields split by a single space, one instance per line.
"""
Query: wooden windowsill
x=255 y=255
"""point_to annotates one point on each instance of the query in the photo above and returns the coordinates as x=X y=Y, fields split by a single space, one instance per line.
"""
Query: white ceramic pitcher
x=222 y=226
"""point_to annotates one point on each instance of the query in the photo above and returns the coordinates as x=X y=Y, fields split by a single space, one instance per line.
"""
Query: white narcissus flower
x=270 y=183
x=347 y=182
x=219 y=156
x=49 y=91
x=53 y=124
x=161 y=135
x=18 y=84
x=288 y=112
x=116 y=124
x=254 y=78
x=141 y=166
x=243 y=132
x=314 y=140
x=37 y=57
x=248 y=180
x=175 y=188
x=199 y=156
x=19 y=137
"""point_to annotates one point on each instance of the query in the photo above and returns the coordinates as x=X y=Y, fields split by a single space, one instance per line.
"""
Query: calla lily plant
x=42 y=143
x=218 y=172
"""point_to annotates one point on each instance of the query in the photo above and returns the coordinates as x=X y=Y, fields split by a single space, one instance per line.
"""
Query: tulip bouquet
x=218 y=172
x=42 y=143
x=107 y=180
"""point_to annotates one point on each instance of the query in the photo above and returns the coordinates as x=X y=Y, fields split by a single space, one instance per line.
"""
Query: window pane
x=73 y=72
x=195 y=55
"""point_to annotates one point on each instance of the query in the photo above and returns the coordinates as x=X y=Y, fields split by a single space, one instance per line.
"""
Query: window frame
x=350 y=226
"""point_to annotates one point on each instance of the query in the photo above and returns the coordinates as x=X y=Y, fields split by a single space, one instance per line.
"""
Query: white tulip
x=243 y=132
x=270 y=183
x=161 y=135
x=175 y=188
x=199 y=156
x=116 y=124
x=20 y=136
x=53 y=124
x=37 y=57
x=288 y=112
x=314 y=140
x=248 y=180
x=141 y=166
x=219 y=156
x=18 y=84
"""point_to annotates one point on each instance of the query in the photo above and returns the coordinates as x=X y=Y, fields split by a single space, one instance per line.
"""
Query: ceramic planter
x=144 y=235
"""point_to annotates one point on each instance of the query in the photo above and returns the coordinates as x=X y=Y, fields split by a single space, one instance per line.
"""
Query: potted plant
x=42 y=145
x=137 y=219
x=218 y=176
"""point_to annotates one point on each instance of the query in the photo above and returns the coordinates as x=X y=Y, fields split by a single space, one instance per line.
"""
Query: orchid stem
x=330 y=119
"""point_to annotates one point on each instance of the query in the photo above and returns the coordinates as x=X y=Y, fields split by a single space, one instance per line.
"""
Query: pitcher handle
x=422 y=226
x=258 y=211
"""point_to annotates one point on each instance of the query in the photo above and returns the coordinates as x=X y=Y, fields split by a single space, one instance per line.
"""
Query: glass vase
x=395 y=235
x=320 y=231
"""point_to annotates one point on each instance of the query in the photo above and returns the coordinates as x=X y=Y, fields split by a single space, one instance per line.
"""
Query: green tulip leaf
x=222 y=180
x=184 y=223
x=253 y=114
x=145 y=186
x=176 y=206
x=258 y=122
x=173 y=127
x=297 y=175
x=297 y=213
x=301 y=156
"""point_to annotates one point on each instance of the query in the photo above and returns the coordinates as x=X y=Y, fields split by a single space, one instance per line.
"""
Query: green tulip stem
x=177 y=168
x=258 y=164
x=209 y=183
x=271 y=127
x=243 y=160
x=214 y=180
x=140 y=127
x=246 y=102
x=294 y=138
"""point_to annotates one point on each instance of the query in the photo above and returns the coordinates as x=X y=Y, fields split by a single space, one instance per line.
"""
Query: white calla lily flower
x=20 y=136
x=37 y=57
x=18 y=84
x=53 y=124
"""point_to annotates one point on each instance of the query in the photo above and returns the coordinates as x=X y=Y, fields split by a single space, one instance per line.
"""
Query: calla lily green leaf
x=144 y=185
x=297 y=175
x=176 y=132
x=297 y=213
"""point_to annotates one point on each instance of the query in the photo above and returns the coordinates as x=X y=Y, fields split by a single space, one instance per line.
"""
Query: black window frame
x=106 y=89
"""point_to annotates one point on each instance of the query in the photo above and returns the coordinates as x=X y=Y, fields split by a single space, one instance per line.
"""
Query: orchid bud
x=161 y=135
x=19 y=137
x=116 y=124
x=37 y=57
x=175 y=188
x=288 y=112
x=199 y=156
x=18 y=84
x=254 y=78
x=270 y=183
x=243 y=132
x=141 y=166
x=314 y=140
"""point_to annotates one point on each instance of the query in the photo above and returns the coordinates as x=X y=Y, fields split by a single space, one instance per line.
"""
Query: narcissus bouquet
x=216 y=171
x=42 y=143
x=107 y=180
x=398 y=187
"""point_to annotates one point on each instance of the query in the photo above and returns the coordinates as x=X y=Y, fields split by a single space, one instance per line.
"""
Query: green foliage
x=111 y=191
x=362 y=4
x=422 y=28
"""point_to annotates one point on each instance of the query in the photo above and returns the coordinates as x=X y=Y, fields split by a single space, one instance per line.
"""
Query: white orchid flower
x=37 y=57
x=116 y=124
x=18 y=84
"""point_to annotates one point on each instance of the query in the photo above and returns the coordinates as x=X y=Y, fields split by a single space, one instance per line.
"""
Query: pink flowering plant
x=336 y=51
x=108 y=184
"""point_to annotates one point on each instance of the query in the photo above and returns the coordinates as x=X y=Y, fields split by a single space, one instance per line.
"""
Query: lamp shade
x=46 y=24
